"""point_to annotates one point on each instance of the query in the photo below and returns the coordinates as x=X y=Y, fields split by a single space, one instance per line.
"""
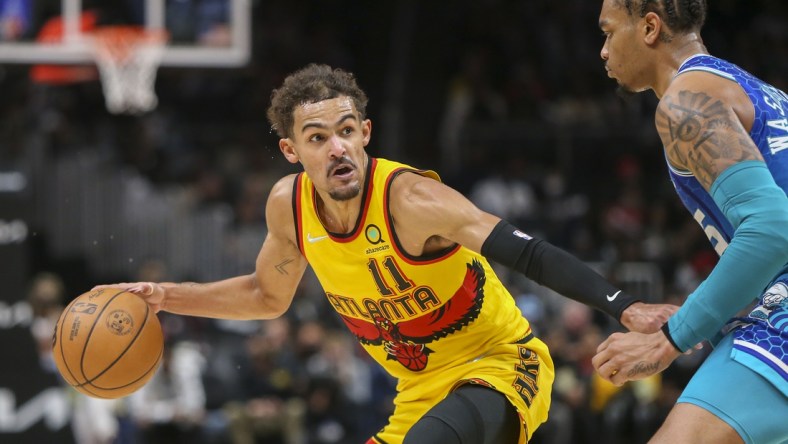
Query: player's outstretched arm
x=266 y=293
x=432 y=208
x=700 y=122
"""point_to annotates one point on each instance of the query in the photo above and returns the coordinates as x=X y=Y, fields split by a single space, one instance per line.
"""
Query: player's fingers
x=599 y=360
x=611 y=372
x=693 y=349
x=617 y=377
x=121 y=285
x=603 y=346
x=142 y=288
x=608 y=371
x=608 y=342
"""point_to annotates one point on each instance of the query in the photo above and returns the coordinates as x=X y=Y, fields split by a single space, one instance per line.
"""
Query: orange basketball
x=107 y=343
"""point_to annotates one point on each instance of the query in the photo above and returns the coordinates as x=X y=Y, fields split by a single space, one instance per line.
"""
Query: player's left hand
x=630 y=356
x=151 y=292
x=647 y=318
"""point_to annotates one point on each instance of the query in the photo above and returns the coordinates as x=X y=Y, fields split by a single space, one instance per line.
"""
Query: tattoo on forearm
x=280 y=267
x=643 y=368
x=191 y=284
x=702 y=135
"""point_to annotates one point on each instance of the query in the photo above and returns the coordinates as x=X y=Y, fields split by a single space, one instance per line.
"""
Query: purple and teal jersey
x=769 y=132
x=761 y=342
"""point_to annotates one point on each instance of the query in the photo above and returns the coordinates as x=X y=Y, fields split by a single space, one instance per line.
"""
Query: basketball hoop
x=128 y=58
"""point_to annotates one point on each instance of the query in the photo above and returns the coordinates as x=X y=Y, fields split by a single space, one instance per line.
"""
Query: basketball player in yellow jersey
x=431 y=320
x=402 y=259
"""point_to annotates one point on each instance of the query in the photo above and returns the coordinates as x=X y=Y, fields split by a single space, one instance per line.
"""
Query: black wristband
x=666 y=329
x=554 y=268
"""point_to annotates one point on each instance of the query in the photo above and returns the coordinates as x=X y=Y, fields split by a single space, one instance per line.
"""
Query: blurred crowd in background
x=507 y=100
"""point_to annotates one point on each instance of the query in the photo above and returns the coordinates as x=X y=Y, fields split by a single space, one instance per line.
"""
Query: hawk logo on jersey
x=407 y=341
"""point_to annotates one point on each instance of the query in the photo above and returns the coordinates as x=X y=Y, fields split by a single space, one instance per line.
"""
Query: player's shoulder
x=700 y=93
x=283 y=189
x=411 y=185
x=702 y=88
x=280 y=200
x=414 y=197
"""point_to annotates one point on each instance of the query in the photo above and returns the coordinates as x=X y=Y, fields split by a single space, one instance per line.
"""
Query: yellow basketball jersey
x=414 y=315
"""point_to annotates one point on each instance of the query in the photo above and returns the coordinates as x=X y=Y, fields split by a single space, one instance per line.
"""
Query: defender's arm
x=699 y=120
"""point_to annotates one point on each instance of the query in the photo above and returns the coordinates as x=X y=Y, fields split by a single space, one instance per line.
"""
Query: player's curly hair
x=681 y=16
x=311 y=84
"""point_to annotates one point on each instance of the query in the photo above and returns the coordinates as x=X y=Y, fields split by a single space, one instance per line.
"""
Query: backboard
x=203 y=33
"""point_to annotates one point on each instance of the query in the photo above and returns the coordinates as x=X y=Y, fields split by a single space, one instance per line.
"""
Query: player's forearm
x=554 y=268
x=758 y=209
x=235 y=298
x=750 y=262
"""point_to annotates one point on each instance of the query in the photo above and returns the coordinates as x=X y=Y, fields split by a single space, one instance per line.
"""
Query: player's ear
x=652 y=27
x=366 y=130
x=288 y=149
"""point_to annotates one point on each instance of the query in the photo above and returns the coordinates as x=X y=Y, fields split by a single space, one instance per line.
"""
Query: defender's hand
x=629 y=356
x=151 y=292
x=647 y=318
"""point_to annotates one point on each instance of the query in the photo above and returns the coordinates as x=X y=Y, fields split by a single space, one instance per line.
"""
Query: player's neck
x=338 y=216
x=688 y=46
x=682 y=48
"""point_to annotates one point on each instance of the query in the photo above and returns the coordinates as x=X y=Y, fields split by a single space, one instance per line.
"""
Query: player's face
x=329 y=139
x=622 y=52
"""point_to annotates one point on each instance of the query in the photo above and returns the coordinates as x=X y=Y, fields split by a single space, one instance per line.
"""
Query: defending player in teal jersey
x=725 y=134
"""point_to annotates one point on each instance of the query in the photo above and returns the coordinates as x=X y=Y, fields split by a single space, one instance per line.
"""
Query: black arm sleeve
x=554 y=268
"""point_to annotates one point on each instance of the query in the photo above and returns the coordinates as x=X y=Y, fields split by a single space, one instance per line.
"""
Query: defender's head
x=642 y=34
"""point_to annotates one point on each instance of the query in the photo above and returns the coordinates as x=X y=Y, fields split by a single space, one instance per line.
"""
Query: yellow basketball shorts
x=522 y=371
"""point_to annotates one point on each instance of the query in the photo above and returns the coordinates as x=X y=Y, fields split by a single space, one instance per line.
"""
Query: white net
x=128 y=58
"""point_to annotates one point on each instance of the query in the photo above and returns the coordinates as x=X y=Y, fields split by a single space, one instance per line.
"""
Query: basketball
x=107 y=343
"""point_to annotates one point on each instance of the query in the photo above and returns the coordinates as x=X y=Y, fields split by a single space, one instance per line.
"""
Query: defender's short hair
x=681 y=16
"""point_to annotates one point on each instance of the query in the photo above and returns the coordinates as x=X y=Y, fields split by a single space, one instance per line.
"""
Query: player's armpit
x=701 y=133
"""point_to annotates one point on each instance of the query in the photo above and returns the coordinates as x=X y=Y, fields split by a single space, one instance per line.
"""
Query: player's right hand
x=647 y=318
x=151 y=292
